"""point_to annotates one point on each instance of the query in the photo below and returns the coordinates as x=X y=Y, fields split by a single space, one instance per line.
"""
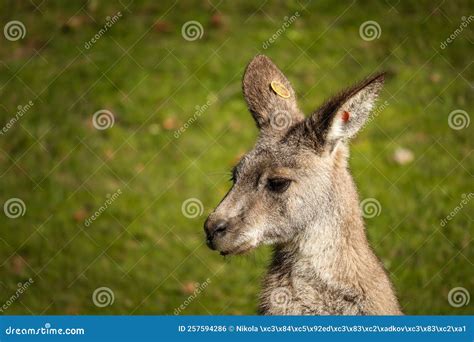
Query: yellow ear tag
x=280 y=89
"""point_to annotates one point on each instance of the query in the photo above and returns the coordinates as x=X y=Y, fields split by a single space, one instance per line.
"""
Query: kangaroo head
x=283 y=184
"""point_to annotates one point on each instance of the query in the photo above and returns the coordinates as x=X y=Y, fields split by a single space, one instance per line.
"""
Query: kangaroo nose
x=220 y=227
x=213 y=229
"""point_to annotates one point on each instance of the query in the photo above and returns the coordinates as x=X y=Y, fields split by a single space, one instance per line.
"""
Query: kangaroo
x=294 y=191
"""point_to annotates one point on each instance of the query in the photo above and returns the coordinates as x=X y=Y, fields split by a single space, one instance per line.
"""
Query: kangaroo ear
x=270 y=96
x=342 y=116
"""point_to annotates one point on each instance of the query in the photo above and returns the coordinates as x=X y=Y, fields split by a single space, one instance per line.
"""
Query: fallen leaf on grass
x=189 y=287
x=217 y=20
x=17 y=264
x=170 y=123
x=403 y=156
x=74 y=23
x=435 y=77
x=162 y=26
x=109 y=154
x=80 y=215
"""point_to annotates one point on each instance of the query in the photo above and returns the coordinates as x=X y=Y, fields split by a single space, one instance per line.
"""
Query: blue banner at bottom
x=236 y=328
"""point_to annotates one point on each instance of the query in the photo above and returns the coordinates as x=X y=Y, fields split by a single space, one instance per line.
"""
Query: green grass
x=143 y=247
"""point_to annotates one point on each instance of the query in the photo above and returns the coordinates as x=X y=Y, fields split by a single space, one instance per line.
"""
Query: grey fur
x=322 y=262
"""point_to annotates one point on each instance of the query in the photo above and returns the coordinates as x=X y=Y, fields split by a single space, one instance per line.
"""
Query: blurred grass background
x=142 y=247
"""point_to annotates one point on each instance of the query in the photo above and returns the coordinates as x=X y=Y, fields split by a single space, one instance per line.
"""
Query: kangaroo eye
x=278 y=184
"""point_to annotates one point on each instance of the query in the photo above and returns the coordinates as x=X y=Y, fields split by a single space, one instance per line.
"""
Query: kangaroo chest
x=307 y=294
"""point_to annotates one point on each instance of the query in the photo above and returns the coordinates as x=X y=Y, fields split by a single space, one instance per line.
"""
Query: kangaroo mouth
x=239 y=250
